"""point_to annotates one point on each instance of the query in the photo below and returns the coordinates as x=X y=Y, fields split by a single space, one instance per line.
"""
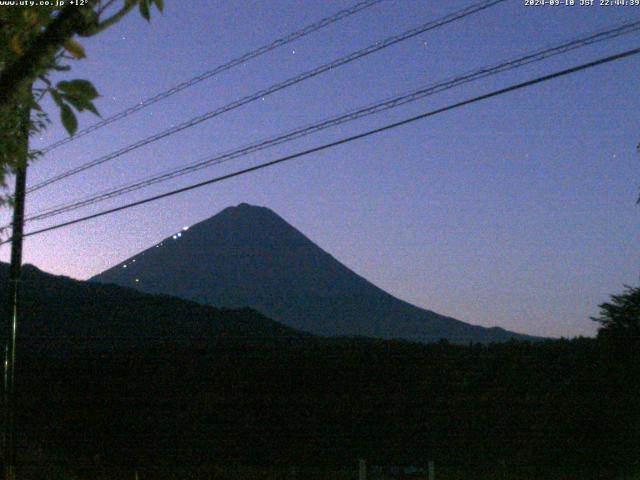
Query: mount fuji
x=248 y=256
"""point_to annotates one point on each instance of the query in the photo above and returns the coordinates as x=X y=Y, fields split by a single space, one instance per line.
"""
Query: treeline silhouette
x=109 y=378
x=328 y=402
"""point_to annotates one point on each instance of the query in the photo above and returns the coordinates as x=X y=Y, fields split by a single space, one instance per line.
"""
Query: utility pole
x=9 y=437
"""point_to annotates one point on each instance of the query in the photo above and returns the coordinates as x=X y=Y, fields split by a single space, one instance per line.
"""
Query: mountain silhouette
x=248 y=256
x=60 y=315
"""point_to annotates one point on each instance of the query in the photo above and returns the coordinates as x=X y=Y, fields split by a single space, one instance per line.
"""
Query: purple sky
x=518 y=211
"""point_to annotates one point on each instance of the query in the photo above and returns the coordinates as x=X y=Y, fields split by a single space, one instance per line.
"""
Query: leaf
x=68 y=118
x=78 y=103
x=81 y=104
x=56 y=97
x=92 y=23
x=144 y=10
x=159 y=4
x=79 y=88
x=92 y=108
x=75 y=49
x=15 y=45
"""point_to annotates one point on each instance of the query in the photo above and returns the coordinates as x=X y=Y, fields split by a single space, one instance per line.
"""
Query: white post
x=362 y=469
x=432 y=470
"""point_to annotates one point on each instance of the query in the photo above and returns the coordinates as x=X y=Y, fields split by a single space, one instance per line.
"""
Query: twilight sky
x=518 y=211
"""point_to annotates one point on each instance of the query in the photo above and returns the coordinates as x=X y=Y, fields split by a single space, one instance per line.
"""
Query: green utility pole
x=13 y=311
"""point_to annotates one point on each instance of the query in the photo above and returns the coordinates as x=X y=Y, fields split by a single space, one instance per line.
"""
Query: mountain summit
x=248 y=256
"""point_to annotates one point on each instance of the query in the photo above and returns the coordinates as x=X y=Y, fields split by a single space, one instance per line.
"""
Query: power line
x=465 y=12
x=325 y=22
x=535 y=56
x=326 y=146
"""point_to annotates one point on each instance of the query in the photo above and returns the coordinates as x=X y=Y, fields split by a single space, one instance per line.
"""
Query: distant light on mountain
x=248 y=256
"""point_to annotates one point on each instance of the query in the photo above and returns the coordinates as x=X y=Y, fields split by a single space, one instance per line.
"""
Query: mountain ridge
x=249 y=256
x=61 y=315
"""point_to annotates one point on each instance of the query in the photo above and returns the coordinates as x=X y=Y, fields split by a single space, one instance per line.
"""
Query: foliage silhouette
x=162 y=400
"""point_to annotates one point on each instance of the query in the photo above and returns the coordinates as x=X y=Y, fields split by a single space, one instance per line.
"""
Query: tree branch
x=70 y=21
x=115 y=18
